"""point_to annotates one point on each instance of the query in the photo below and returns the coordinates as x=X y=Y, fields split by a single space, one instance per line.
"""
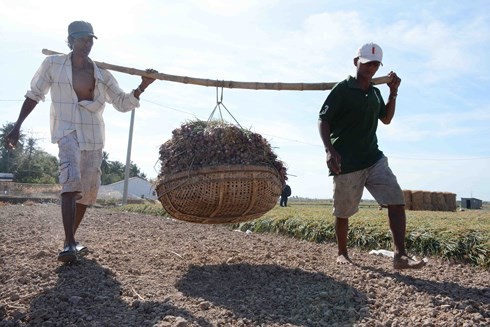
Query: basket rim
x=217 y=169
x=223 y=173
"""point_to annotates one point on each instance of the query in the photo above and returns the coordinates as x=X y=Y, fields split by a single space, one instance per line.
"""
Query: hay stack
x=407 y=195
x=438 y=201
x=450 y=199
x=433 y=201
x=427 y=200
x=418 y=200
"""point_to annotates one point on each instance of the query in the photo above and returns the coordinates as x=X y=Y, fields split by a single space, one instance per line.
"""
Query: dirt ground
x=151 y=271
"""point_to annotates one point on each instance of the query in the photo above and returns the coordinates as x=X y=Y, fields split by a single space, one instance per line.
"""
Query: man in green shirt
x=348 y=123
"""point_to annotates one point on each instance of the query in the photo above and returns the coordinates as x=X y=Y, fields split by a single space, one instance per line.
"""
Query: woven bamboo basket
x=220 y=194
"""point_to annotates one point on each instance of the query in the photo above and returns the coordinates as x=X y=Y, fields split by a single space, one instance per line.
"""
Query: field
x=461 y=236
x=143 y=269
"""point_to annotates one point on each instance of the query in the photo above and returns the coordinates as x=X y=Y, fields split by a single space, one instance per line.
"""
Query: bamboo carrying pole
x=228 y=84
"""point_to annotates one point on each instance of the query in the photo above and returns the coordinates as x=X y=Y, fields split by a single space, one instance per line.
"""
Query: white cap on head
x=370 y=52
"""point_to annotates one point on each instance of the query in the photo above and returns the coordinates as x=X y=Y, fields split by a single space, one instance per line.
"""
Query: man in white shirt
x=79 y=90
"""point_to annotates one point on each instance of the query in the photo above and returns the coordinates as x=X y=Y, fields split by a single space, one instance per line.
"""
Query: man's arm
x=333 y=158
x=391 y=104
x=13 y=136
x=145 y=82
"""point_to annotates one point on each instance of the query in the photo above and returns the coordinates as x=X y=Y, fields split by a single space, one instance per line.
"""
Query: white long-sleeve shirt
x=67 y=113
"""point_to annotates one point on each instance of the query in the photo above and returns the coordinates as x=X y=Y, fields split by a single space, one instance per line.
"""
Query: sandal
x=68 y=255
x=81 y=249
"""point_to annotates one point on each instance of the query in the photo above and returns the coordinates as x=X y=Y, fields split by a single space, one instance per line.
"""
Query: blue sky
x=438 y=140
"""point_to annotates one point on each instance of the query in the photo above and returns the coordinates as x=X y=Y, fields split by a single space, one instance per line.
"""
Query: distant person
x=79 y=90
x=348 y=122
x=286 y=192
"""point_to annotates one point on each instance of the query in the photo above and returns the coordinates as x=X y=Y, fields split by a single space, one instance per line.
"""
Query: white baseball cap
x=370 y=52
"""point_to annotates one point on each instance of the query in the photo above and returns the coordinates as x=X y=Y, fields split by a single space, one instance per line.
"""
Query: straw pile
x=427 y=198
x=430 y=201
x=407 y=195
x=450 y=199
x=438 y=201
x=417 y=200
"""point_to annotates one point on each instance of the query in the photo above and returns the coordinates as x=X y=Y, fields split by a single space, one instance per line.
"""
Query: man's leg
x=90 y=162
x=347 y=193
x=69 y=158
x=80 y=213
x=397 y=218
x=72 y=216
x=341 y=231
x=384 y=187
x=398 y=222
x=68 y=213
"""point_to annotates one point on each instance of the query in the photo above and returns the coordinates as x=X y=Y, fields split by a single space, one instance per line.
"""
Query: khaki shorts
x=379 y=181
x=79 y=170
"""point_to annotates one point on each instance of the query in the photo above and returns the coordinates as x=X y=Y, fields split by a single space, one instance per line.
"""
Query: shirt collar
x=97 y=72
x=352 y=83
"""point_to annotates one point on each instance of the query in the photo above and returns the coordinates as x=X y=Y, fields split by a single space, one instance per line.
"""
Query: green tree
x=105 y=167
x=8 y=157
x=42 y=168
x=27 y=162
x=114 y=171
x=31 y=147
x=30 y=164
x=134 y=171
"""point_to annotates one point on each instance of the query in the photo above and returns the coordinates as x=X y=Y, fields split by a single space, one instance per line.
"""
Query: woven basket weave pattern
x=221 y=194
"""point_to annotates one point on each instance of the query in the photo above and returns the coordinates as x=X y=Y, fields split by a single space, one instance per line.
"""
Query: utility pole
x=128 y=160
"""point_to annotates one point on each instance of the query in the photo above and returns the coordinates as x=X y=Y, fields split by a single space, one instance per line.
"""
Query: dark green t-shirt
x=353 y=114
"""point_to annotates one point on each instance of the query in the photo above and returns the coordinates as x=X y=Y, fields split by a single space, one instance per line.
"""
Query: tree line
x=31 y=164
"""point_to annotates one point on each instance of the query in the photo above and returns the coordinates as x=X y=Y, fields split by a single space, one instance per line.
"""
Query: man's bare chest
x=83 y=83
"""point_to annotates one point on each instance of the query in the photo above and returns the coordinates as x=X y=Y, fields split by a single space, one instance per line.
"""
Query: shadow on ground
x=88 y=294
x=268 y=294
x=478 y=297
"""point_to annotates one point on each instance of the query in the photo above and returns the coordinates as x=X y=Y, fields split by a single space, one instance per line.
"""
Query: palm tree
x=105 y=163
x=117 y=168
x=134 y=171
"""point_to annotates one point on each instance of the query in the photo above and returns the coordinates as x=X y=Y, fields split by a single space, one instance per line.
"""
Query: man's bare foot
x=405 y=262
x=343 y=259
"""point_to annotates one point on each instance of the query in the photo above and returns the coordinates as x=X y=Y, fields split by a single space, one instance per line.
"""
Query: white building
x=138 y=188
x=6 y=177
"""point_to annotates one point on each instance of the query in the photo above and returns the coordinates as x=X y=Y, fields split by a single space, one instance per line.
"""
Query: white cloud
x=233 y=8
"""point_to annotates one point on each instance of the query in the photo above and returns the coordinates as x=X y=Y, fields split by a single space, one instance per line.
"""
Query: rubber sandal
x=81 y=249
x=69 y=254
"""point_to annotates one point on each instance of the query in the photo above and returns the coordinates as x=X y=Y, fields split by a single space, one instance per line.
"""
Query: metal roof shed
x=471 y=203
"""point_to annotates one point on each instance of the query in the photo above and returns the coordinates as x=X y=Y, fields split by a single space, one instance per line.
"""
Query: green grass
x=462 y=236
